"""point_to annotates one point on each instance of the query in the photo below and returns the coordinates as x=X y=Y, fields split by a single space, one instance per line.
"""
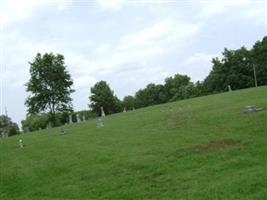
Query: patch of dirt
x=206 y=148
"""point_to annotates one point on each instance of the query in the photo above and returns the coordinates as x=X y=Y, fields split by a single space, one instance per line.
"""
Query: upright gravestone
x=84 y=118
x=21 y=144
x=26 y=129
x=70 y=119
x=124 y=110
x=78 y=118
x=102 y=112
x=62 y=131
x=100 y=123
x=229 y=88
x=48 y=125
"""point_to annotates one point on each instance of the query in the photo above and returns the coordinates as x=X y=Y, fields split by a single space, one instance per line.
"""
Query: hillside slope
x=201 y=148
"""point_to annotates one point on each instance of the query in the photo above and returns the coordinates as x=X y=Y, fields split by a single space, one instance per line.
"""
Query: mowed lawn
x=201 y=148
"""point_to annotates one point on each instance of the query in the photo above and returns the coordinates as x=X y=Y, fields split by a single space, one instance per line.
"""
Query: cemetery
x=133 y=100
x=169 y=151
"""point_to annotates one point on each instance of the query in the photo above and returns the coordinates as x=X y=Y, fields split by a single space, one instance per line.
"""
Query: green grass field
x=201 y=148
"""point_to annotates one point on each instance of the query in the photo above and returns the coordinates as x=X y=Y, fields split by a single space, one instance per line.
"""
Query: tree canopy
x=50 y=85
x=103 y=96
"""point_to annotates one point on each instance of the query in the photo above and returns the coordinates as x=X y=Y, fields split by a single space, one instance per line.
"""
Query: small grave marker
x=100 y=123
x=21 y=145
x=70 y=119
x=78 y=118
x=102 y=112
x=62 y=131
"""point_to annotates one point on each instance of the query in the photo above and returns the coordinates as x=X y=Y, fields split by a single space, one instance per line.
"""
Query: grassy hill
x=201 y=148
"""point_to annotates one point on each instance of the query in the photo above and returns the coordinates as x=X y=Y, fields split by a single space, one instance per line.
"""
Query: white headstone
x=21 y=144
x=70 y=119
x=84 y=118
x=99 y=123
x=102 y=112
x=78 y=118
x=124 y=110
x=229 y=88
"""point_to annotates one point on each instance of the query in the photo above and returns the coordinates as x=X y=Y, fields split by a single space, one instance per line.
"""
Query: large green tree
x=50 y=85
x=103 y=96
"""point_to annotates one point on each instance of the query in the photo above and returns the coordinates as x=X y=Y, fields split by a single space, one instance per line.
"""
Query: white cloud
x=111 y=4
x=212 y=8
x=12 y=11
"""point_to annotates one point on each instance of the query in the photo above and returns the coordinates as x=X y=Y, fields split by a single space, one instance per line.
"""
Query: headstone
x=124 y=110
x=70 y=119
x=251 y=109
x=26 y=130
x=48 y=125
x=100 y=123
x=133 y=108
x=102 y=112
x=78 y=118
x=62 y=131
x=84 y=118
x=21 y=144
x=229 y=88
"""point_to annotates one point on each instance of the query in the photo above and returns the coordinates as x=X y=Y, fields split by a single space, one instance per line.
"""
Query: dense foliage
x=7 y=127
x=235 y=68
x=42 y=121
x=103 y=96
x=49 y=85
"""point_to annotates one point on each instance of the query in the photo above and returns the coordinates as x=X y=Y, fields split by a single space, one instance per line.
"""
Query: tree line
x=50 y=87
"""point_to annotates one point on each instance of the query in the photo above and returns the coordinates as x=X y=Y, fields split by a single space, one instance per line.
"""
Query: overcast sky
x=126 y=43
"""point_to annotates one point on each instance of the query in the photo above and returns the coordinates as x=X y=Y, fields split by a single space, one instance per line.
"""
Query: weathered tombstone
x=62 y=131
x=249 y=109
x=49 y=125
x=70 y=119
x=26 y=130
x=99 y=123
x=21 y=144
x=133 y=108
x=124 y=110
x=229 y=88
x=78 y=118
x=102 y=112
x=84 y=118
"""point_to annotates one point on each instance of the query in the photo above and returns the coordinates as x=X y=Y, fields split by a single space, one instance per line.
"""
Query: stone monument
x=21 y=144
x=78 y=118
x=102 y=112
x=100 y=123
x=70 y=119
